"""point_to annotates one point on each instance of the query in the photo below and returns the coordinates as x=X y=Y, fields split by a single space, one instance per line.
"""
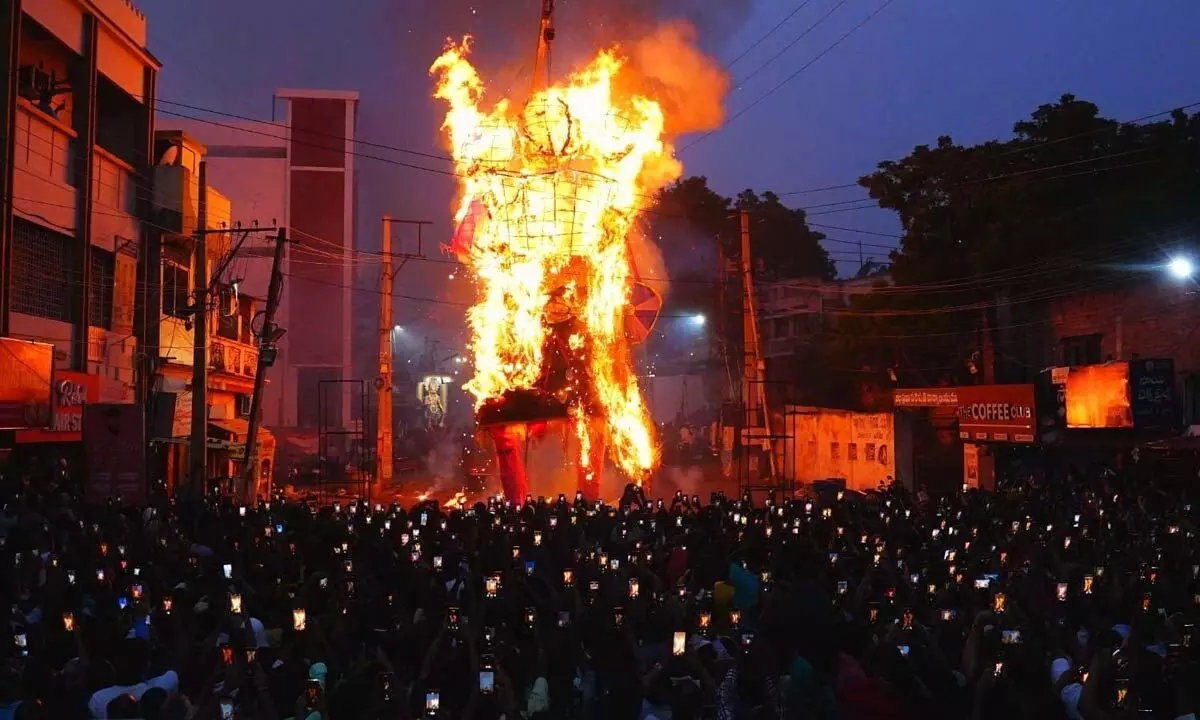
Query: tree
x=991 y=231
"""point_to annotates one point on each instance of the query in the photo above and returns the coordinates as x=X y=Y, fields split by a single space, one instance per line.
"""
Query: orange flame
x=553 y=190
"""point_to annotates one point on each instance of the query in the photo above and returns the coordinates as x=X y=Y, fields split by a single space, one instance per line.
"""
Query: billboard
x=115 y=449
x=26 y=377
x=998 y=413
x=1098 y=396
x=859 y=447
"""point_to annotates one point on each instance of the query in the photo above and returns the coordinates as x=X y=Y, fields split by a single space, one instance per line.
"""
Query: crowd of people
x=1068 y=597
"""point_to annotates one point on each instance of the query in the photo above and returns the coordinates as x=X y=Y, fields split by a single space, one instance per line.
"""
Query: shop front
x=227 y=460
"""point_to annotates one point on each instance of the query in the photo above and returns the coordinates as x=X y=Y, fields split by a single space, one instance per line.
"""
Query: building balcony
x=233 y=357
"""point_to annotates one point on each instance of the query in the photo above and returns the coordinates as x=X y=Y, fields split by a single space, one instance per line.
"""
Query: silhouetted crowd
x=1067 y=597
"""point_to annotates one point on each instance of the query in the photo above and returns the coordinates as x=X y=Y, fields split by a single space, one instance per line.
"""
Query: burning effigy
x=551 y=190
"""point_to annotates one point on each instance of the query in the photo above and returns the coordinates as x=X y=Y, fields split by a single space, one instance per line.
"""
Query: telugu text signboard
x=114 y=443
x=1152 y=391
x=998 y=413
x=26 y=376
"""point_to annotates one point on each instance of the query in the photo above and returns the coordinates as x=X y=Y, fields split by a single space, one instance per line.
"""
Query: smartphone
x=568 y=577
x=842 y=585
x=235 y=603
x=227 y=705
x=873 y=612
x=424 y=519
x=487 y=681
x=122 y=602
x=1088 y=582
x=312 y=693
x=633 y=588
x=906 y=619
x=1121 y=693
x=387 y=683
x=99 y=574
x=1010 y=637
x=22 y=644
x=437 y=562
x=433 y=703
x=564 y=618
x=529 y=567
x=982 y=583
x=1061 y=592
x=593 y=586
x=618 y=616
x=69 y=622
x=678 y=643
x=492 y=586
x=299 y=618
x=747 y=640
x=452 y=618
x=999 y=600
x=251 y=653
x=705 y=621
x=948 y=615
x=226 y=654
x=530 y=616
x=227 y=569
x=904 y=650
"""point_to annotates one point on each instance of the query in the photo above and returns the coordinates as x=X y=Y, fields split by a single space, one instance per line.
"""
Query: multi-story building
x=78 y=100
x=300 y=173
x=791 y=311
x=232 y=358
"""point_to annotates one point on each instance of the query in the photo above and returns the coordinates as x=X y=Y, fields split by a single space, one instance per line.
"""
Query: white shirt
x=98 y=703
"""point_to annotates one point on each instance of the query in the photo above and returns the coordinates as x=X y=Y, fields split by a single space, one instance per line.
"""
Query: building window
x=1081 y=350
x=835 y=451
x=852 y=452
x=40 y=285
x=176 y=289
x=100 y=291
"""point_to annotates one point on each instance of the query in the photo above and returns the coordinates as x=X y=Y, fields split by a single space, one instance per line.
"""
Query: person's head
x=130 y=660
x=123 y=707
x=153 y=704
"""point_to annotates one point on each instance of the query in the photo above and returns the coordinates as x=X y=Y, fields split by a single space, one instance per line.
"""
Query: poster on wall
x=1098 y=397
x=26 y=379
x=115 y=452
x=856 y=447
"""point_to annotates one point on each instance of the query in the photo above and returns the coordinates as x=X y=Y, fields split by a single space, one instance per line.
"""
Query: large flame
x=550 y=192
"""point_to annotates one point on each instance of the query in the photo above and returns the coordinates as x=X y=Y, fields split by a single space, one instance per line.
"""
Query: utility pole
x=383 y=423
x=198 y=450
x=266 y=358
x=384 y=428
x=754 y=392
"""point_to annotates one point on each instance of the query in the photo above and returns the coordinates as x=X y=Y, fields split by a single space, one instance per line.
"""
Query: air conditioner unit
x=34 y=83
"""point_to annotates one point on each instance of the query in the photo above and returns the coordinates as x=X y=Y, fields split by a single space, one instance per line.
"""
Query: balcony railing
x=232 y=357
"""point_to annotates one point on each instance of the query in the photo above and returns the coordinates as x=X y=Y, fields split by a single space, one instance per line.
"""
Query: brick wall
x=1150 y=320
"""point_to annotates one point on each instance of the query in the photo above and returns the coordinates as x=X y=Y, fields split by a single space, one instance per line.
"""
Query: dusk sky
x=917 y=70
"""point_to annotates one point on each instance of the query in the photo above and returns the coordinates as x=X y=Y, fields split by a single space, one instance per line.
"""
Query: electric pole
x=754 y=391
x=266 y=358
x=384 y=429
x=383 y=422
x=198 y=450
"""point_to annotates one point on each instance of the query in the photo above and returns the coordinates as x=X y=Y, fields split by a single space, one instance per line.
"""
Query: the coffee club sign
x=72 y=391
x=995 y=413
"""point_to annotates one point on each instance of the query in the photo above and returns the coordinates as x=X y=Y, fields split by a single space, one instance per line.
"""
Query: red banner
x=114 y=440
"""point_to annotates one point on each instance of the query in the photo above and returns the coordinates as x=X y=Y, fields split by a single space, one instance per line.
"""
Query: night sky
x=919 y=69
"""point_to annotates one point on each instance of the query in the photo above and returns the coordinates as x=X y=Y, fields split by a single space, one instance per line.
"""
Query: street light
x=397 y=329
x=698 y=319
x=1181 y=268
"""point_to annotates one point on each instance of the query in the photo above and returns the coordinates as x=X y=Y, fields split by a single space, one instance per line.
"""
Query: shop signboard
x=26 y=377
x=997 y=413
x=1152 y=391
x=72 y=392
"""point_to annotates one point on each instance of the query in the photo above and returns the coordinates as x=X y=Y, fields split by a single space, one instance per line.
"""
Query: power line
x=793 y=76
x=768 y=34
x=792 y=44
